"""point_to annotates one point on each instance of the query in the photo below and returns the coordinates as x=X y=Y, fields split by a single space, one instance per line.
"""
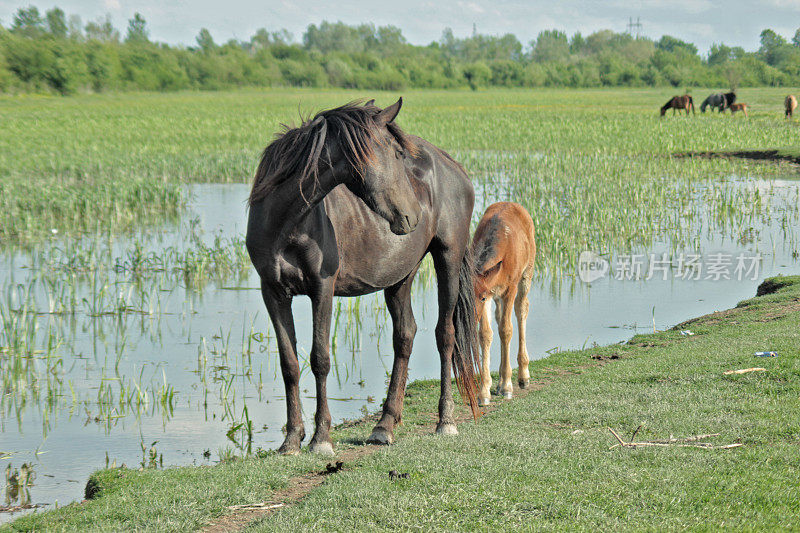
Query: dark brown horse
x=348 y=204
x=683 y=102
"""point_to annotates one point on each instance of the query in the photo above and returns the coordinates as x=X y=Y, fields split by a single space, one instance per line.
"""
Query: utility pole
x=634 y=27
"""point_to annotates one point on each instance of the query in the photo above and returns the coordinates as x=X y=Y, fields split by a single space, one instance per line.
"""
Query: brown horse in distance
x=683 y=102
x=790 y=104
x=743 y=107
x=504 y=248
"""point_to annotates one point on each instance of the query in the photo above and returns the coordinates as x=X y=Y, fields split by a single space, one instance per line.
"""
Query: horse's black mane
x=296 y=152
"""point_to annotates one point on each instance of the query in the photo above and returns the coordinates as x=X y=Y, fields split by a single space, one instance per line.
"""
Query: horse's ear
x=389 y=114
x=370 y=103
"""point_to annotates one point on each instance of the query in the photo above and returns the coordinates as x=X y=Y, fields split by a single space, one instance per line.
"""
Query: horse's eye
x=400 y=154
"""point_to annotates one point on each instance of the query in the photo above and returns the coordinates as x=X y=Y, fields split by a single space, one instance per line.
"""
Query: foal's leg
x=322 y=308
x=398 y=300
x=485 y=335
x=521 y=306
x=503 y=313
x=279 y=307
x=447 y=263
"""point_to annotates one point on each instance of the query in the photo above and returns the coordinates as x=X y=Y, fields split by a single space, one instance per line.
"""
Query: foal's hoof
x=523 y=383
x=381 y=436
x=322 y=448
x=446 y=429
x=483 y=401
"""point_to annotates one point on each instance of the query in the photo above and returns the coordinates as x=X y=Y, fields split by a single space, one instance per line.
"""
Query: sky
x=702 y=22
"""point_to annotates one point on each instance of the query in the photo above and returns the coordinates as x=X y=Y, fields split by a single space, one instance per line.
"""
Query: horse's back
x=506 y=229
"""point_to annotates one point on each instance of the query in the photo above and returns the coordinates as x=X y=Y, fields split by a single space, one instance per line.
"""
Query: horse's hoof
x=508 y=395
x=289 y=450
x=381 y=436
x=322 y=448
x=483 y=401
x=446 y=429
x=291 y=444
x=523 y=383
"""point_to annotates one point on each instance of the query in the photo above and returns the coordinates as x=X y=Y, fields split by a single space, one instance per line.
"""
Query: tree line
x=51 y=52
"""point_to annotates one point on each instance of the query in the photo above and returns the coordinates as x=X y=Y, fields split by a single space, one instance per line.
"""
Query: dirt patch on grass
x=758 y=155
x=298 y=488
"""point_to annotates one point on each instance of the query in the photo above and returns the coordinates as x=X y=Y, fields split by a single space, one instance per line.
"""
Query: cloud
x=792 y=5
x=472 y=7
x=112 y=5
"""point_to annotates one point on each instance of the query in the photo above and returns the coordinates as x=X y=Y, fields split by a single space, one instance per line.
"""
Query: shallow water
x=192 y=361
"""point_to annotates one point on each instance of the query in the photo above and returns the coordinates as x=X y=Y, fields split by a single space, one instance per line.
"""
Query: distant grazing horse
x=679 y=102
x=790 y=104
x=720 y=101
x=348 y=204
x=740 y=107
x=504 y=248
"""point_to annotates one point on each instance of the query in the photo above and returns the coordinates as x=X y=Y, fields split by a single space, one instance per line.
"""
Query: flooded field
x=153 y=349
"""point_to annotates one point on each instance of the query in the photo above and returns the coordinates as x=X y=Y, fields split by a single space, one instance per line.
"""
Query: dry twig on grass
x=263 y=506
x=744 y=371
x=680 y=443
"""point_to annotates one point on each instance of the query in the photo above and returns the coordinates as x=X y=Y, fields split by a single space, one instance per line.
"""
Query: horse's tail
x=691 y=104
x=465 y=351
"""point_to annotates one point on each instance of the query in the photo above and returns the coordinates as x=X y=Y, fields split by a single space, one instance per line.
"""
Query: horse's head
x=383 y=183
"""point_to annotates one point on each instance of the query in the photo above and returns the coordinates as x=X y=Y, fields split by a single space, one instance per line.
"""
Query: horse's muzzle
x=404 y=224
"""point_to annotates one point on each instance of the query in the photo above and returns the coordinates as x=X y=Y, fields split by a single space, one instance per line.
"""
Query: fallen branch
x=688 y=442
x=744 y=371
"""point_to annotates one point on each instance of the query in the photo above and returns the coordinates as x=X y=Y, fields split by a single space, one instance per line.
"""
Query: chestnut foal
x=504 y=248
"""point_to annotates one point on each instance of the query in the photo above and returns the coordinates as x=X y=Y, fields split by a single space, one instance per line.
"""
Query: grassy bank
x=542 y=461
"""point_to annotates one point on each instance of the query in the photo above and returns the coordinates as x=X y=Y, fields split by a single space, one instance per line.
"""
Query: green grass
x=540 y=462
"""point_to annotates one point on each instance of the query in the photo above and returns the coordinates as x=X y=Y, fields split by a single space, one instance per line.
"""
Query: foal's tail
x=691 y=104
x=465 y=351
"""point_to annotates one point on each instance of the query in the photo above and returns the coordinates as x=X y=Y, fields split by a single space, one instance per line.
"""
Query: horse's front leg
x=398 y=301
x=322 y=308
x=522 y=307
x=505 y=308
x=279 y=307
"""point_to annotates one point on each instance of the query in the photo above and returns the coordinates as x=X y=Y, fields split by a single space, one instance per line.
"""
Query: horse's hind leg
x=521 y=306
x=485 y=336
x=279 y=307
x=505 y=306
x=447 y=263
x=322 y=308
x=398 y=301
